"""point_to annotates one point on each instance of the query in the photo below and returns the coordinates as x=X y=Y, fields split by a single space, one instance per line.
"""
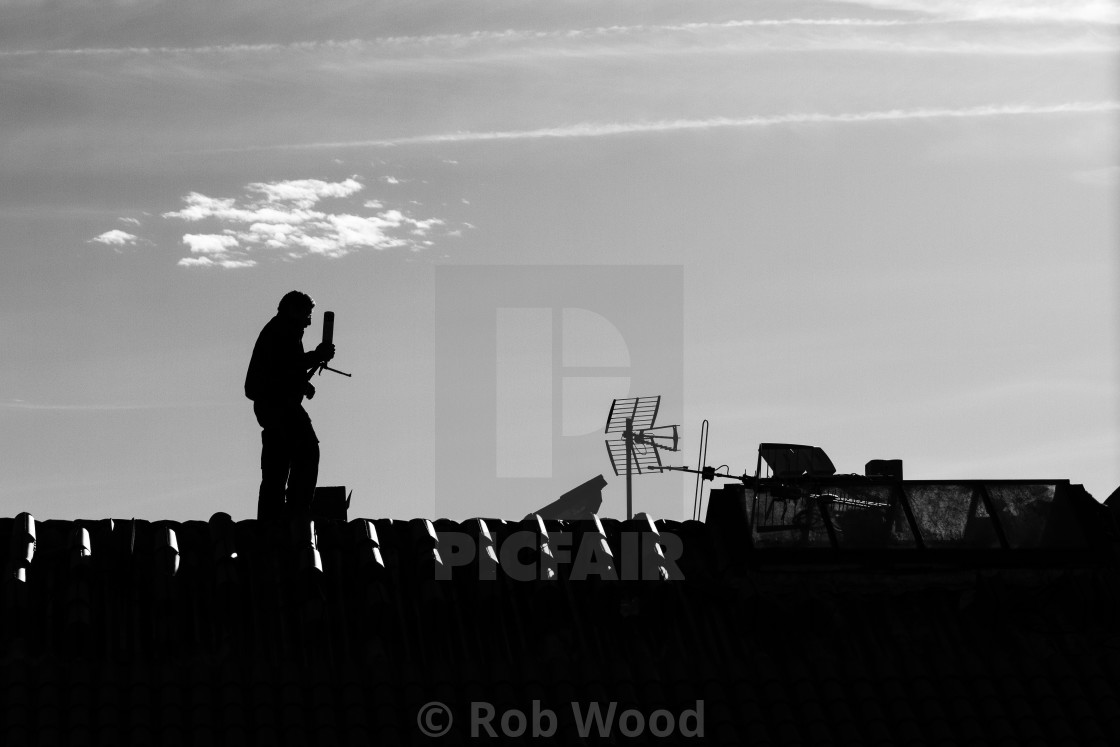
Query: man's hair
x=295 y=300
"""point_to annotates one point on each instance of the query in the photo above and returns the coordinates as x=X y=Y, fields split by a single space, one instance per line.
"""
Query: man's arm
x=312 y=359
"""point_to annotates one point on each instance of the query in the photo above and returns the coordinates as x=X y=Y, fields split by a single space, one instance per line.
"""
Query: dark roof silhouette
x=120 y=632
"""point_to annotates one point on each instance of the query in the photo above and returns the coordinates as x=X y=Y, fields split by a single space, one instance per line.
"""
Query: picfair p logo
x=528 y=360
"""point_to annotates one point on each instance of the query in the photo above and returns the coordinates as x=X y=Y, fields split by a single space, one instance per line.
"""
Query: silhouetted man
x=277 y=382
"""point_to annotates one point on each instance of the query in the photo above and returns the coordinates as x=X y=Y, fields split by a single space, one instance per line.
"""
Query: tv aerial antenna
x=639 y=445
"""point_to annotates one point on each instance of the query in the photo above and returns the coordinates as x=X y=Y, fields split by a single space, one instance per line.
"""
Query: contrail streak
x=474 y=37
x=105 y=407
x=591 y=130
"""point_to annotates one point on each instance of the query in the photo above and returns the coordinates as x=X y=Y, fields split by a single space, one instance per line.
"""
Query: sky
x=892 y=223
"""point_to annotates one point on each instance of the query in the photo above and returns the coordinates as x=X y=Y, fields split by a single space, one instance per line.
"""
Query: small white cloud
x=326 y=246
x=133 y=221
x=199 y=207
x=115 y=237
x=270 y=234
x=209 y=243
x=229 y=264
x=304 y=193
x=391 y=180
x=373 y=204
x=423 y=226
x=356 y=230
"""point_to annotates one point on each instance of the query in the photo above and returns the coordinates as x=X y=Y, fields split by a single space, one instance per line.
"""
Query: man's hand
x=310 y=391
x=324 y=351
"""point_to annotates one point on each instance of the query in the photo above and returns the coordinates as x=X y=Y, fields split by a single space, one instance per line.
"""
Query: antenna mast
x=633 y=418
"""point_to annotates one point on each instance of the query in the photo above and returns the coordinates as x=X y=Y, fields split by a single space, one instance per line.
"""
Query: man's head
x=296 y=307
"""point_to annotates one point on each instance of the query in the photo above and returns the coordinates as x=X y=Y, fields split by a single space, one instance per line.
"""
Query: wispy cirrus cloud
x=1060 y=11
x=604 y=129
x=700 y=34
x=284 y=220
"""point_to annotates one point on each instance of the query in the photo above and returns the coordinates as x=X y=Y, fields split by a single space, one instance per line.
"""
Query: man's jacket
x=278 y=369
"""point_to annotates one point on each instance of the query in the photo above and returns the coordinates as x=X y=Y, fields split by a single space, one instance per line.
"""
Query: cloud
x=200 y=207
x=304 y=193
x=217 y=250
x=207 y=262
x=133 y=221
x=116 y=238
x=282 y=218
x=421 y=227
x=208 y=243
x=603 y=129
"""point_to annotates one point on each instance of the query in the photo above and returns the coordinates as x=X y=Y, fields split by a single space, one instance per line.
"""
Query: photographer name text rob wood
x=591 y=720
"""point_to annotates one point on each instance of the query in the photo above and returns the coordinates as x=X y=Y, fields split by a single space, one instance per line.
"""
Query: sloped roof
x=223 y=632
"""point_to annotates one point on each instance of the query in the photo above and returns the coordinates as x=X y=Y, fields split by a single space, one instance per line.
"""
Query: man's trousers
x=289 y=460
